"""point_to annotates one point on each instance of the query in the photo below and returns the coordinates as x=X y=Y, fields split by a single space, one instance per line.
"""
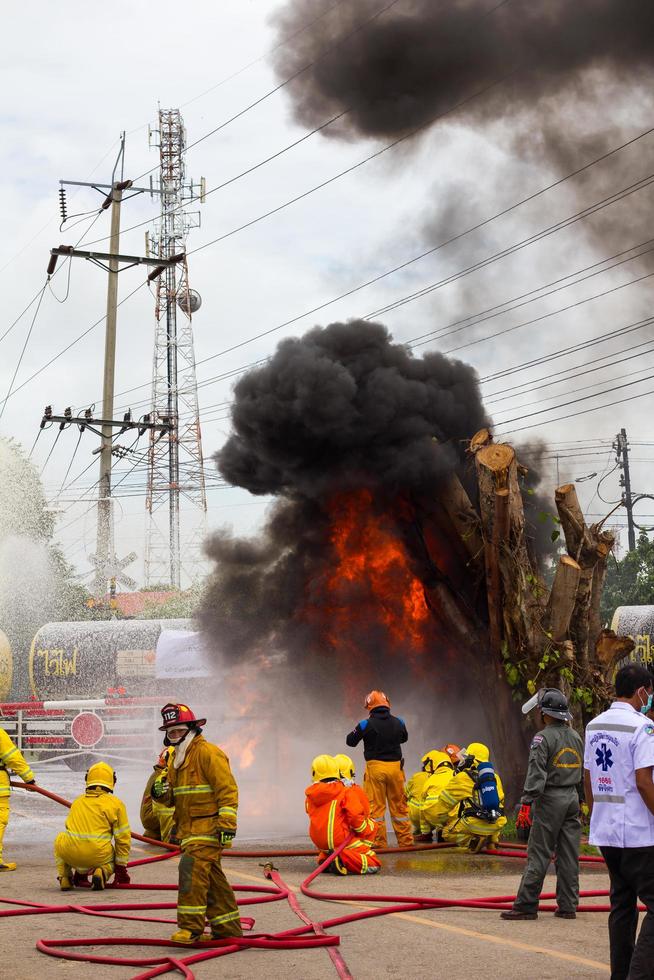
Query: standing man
x=618 y=764
x=550 y=807
x=383 y=780
x=11 y=760
x=205 y=795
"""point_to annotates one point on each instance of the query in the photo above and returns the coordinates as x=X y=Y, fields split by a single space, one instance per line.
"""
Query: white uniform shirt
x=618 y=742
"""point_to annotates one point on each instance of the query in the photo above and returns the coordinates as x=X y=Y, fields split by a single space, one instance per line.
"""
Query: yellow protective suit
x=414 y=790
x=97 y=835
x=206 y=801
x=10 y=759
x=157 y=818
x=437 y=781
x=452 y=809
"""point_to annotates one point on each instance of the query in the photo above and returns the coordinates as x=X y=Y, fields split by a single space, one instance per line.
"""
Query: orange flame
x=371 y=584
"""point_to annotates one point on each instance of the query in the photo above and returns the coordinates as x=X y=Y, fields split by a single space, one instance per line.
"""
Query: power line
x=22 y=353
x=562 y=418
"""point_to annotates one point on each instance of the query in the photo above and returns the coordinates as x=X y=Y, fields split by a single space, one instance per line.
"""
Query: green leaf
x=555 y=535
x=531 y=687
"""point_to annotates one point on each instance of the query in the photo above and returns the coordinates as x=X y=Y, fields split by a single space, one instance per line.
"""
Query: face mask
x=347 y=782
x=178 y=739
x=644 y=708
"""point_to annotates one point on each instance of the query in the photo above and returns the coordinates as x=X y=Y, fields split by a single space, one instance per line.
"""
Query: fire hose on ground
x=311 y=935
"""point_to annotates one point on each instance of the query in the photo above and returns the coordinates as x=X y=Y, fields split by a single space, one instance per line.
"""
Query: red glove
x=523 y=823
x=523 y=820
x=121 y=875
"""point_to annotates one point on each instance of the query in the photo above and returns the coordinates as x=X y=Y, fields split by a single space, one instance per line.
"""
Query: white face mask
x=177 y=735
x=347 y=782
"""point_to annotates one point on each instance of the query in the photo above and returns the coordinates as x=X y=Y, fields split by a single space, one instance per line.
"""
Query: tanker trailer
x=96 y=689
x=638 y=623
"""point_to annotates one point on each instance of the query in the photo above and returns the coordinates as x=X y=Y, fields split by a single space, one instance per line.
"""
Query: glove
x=30 y=782
x=226 y=837
x=523 y=822
x=160 y=788
x=121 y=875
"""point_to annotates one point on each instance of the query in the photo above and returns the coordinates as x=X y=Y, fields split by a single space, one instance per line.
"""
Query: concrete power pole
x=104 y=532
x=622 y=451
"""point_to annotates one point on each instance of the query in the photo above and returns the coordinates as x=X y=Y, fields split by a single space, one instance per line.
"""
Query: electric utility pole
x=622 y=452
x=104 y=559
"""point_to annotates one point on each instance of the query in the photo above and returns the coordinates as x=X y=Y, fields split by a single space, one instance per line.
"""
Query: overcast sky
x=72 y=80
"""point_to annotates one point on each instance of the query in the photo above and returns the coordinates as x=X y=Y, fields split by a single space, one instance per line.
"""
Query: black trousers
x=631 y=870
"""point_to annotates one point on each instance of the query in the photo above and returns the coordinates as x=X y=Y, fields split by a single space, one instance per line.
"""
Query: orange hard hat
x=376 y=699
x=179 y=714
x=451 y=749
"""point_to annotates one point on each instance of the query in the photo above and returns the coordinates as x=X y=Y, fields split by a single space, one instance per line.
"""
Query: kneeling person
x=97 y=836
x=336 y=811
x=469 y=808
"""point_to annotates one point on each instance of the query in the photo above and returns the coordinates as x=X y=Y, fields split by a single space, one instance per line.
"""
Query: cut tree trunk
x=563 y=595
x=605 y=546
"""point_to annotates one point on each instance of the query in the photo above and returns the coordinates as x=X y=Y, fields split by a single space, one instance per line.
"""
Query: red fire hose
x=311 y=935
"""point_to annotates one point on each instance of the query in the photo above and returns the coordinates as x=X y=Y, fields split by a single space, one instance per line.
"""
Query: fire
x=373 y=596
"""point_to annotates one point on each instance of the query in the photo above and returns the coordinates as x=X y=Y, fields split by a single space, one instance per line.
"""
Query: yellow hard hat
x=101 y=774
x=431 y=761
x=345 y=766
x=324 y=767
x=480 y=751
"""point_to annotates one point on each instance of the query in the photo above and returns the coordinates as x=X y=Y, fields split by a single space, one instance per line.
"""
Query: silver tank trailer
x=86 y=659
x=638 y=623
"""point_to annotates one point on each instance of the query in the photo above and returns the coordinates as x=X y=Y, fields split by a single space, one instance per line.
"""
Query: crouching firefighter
x=10 y=760
x=97 y=837
x=205 y=796
x=469 y=808
x=335 y=811
x=440 y=772
x=156 y=818
x=550 y=808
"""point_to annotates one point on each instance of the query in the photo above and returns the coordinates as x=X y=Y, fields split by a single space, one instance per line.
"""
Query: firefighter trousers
x=4 y=819
x=82 y=855
x=472 y=832
x=384 y=783
x=556 y=829
x=204 y=892
x=355 y=859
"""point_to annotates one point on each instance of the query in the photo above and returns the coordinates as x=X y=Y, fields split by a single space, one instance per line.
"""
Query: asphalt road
x=448 y=943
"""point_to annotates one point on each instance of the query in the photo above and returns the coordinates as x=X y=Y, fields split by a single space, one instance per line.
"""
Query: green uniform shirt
x=555 y=760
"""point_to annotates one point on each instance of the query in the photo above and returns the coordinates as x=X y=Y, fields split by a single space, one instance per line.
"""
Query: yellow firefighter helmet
x=345 y=766
x=101 y=774
x=324 y=767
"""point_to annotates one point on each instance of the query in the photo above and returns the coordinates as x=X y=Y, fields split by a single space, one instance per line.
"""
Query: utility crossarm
x=99 y=257
x=88 y=422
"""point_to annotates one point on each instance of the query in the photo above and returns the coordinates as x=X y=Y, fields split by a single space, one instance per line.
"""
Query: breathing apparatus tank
x=486 y=786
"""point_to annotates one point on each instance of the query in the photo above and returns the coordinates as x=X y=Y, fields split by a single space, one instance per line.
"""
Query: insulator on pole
x=62 y=204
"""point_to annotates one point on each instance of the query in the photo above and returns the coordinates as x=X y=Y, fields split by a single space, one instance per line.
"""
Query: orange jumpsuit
x=334 y=813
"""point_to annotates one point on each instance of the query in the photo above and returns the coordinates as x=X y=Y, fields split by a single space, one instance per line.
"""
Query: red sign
x=87 y=729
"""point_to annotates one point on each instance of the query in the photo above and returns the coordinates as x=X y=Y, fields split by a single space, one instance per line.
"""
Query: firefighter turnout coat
x=334 y=813
x=97 y=834
x=10 y=759
x=204 y=793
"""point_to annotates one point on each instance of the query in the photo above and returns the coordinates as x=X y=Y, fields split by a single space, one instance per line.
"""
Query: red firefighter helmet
x=452 y=750
x=376 y=699
x=174 y=715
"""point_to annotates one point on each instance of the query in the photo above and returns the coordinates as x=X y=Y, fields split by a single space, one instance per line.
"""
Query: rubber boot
x=65 y=884
x=7 y=865
x=98 y=880
x=186 y=937
x=80 y=880
x=422 y=838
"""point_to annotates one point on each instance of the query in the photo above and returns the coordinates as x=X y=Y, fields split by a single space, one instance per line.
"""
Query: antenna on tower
x=175 y=460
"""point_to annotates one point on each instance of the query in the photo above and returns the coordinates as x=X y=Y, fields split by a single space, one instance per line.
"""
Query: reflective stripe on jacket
x=335 y=812
x=460 y=789
x=11 y=759
x=204 y=792
x=102 y=817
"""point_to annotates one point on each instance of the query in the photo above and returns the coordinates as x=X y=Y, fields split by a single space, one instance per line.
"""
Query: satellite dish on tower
x=189 y=302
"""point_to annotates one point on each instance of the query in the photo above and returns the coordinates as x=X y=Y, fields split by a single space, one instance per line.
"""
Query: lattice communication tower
x=176 y=482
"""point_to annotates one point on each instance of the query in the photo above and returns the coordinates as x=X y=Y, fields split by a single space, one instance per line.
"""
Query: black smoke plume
x=397 y=70
x=339 y=409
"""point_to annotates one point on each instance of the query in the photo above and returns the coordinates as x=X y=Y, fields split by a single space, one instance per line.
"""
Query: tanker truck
x=96 y=687
x=638 y=623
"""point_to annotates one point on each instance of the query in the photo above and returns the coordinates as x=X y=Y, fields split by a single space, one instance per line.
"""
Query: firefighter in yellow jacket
x=469 y=808
x=10 y=760
x=414 y=792
x=97 y=837
x=441 y=773
x=157 y=819
x=205 y=795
